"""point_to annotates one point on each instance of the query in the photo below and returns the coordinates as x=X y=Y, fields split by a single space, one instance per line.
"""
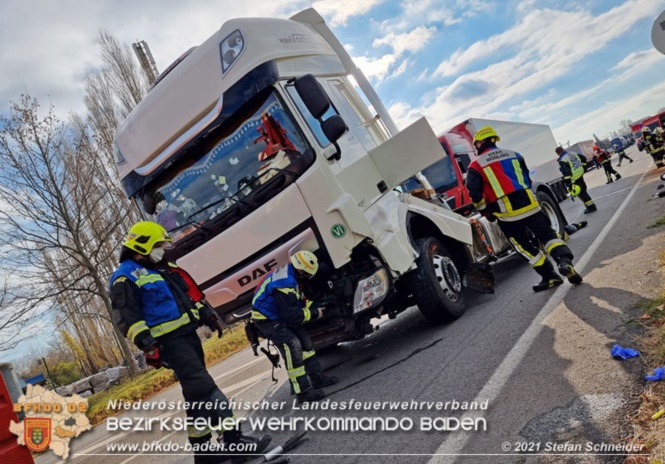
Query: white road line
x=250 y=381
x=490 y=392
x=244 y=366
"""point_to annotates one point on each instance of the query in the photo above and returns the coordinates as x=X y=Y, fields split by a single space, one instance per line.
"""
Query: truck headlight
x=231 y=48
x=371 y=291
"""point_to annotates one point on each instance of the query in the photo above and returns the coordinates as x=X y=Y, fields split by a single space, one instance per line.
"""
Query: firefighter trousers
x=184 y=354
x=533 y=238
x=297 y=351
x=584 y=195
x=609 y=170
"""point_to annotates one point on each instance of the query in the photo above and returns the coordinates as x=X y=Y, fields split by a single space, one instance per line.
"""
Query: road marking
x=244 y=366
x=103 y=441
x=455 y=444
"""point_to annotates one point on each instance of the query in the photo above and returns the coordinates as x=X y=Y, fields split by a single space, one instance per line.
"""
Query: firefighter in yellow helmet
x=500 y=188
x=153 y=306
x=279 y=310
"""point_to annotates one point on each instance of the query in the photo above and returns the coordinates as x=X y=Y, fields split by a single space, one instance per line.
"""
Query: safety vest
x=603 y=156
x=575 y=163
x=263 y=302
x=501 y=173
x=160 y=309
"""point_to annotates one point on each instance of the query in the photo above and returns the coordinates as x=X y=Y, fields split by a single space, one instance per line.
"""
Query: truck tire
x=436 y=284
x=552 y=211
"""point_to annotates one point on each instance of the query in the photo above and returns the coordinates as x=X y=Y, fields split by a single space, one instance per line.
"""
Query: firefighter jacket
x=278 y=297
x=498 y=182
x=653 y=143
x=572 y=166
x=150 y=302
x=603 y=156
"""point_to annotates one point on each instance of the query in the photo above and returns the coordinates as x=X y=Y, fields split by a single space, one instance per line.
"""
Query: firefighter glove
x=152 y=358
x=214 y=324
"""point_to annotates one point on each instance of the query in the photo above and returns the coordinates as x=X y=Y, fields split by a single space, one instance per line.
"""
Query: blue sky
x=579 y=66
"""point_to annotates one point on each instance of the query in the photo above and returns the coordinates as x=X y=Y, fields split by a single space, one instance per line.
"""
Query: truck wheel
x=437 y=283
x=552 y=211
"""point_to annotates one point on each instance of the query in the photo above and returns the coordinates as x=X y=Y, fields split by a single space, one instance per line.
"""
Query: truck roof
x=190 y=97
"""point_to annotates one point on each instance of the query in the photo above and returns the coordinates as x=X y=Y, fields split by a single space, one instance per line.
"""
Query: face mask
x=156 y=255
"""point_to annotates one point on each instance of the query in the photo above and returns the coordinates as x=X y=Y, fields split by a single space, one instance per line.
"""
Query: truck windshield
x=238 y=167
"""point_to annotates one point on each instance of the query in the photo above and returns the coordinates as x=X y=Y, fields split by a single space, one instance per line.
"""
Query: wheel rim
x=448 y=277
x=551 y=214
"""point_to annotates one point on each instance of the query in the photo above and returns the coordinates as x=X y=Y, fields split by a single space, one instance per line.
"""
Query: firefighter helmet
x=658 y=130
x=595 y=148
x=646 y=130
x=305 y=261
x=144 y=235
x=485 y=133
x=575 y=190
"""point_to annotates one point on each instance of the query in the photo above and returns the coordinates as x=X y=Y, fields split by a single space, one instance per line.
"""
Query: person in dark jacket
x=154 y=306
x=622 y=154
x=280 y=308
x=572 y=166
x=500 y=188
x=605 y=159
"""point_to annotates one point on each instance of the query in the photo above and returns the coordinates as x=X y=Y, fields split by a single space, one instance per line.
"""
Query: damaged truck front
x=257 y=144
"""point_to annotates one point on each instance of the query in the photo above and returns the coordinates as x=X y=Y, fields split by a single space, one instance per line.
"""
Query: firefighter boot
x=617 y=176
x=244 y=446
x=567 y=270
x=321 y=381
x=550 y=277
x=590 y=209
x=312 y=394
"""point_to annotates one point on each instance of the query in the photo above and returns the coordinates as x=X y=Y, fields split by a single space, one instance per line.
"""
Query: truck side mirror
x=312 y=95
x=316 y=100
x=333 y=128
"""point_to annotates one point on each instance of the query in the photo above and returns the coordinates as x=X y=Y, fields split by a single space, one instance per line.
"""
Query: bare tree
x=625 y=127
x=55 y=227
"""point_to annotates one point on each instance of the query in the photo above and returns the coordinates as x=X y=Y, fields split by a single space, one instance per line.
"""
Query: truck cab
x=257 y=144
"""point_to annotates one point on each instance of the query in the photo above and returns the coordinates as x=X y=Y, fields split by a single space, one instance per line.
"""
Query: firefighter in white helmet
x=279 y=310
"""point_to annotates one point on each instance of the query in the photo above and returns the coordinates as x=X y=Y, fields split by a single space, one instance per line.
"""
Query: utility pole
x=147 y=61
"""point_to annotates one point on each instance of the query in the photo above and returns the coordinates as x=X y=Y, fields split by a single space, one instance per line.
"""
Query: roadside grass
x=659 y=222
x=649 y=430
x=147 y=384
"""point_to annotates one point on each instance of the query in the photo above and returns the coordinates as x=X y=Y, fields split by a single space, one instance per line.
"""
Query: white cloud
x=376 y=68
x=639 y=59
x=411 y=41
x=558 y=36
x=339 y=11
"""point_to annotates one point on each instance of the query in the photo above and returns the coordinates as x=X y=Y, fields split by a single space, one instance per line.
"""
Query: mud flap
x=479 y=277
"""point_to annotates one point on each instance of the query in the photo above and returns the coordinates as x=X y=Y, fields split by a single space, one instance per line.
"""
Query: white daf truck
x=258 y=143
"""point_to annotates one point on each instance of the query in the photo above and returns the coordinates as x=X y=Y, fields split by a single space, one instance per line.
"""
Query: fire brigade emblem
x=37 y=434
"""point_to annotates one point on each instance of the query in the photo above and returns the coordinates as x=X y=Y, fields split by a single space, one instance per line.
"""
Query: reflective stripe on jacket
x=501 y=172
x=161 y=312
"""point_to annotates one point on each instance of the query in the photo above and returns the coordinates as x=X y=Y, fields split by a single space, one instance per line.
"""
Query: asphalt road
x=540 y=362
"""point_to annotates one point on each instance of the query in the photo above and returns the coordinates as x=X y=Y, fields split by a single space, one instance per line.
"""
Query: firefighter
x=500 y=188
x=279 y=310
x=622 y=154
x=605 y=159
x=154 y=306
x=572 y=166
x=654 y=143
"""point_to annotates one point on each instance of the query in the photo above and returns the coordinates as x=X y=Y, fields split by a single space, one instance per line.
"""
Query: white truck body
x=224 y=153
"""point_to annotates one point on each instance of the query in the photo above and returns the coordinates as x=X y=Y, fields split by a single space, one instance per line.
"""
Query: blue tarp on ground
x=36 y=380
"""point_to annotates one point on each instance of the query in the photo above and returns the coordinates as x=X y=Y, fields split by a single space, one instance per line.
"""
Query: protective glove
x=152 y=358
x=659 y=374
x=623 y=353
x=214 y=324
